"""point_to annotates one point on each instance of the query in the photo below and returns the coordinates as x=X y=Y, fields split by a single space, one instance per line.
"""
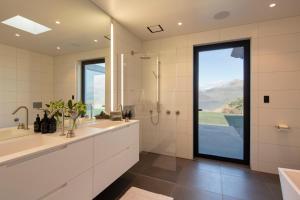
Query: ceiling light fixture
x=179 y=23
x=57 y=22
x=96 y=41
x=17 y=35
x=272 y=5
x=58 y=47
x=25 y=24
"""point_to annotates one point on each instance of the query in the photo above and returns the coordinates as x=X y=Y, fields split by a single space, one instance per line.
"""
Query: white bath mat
x=138 y=194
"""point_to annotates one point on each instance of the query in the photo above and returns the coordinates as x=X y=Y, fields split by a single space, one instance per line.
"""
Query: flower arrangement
x=74 y=111
x=56 y=105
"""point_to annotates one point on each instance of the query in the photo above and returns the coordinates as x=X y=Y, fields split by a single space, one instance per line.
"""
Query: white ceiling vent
x=155 y=29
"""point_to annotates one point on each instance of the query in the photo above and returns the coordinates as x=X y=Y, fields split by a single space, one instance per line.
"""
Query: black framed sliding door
x=222 y=101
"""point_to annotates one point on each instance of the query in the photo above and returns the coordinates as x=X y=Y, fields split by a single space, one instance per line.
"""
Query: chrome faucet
x=26 y=109
x=63 y=119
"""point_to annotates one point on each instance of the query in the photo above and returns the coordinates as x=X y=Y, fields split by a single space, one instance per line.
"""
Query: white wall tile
x=279 y=44
x=279 y=81
x=272 y=117
x=275 y=62
x=239 y=32
x=288 y=99
x=281 y=26
x=279 y=62
x=271 y=135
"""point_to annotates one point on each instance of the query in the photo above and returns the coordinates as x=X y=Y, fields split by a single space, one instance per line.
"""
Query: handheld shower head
x=155 y=75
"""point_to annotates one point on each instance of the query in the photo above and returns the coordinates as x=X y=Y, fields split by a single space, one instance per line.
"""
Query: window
x=93 y=85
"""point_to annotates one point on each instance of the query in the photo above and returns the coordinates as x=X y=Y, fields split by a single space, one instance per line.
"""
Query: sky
x=217 y=67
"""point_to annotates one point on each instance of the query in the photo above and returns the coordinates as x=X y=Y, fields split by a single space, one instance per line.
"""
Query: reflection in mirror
x=93 y=86
x=49 y=50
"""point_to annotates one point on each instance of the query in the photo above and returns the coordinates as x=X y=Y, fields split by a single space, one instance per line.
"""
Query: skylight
x=25 y=24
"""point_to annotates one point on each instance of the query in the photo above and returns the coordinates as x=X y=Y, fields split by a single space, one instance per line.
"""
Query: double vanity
x=52 y=167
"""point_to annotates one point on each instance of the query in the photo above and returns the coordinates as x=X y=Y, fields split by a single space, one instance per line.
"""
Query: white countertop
x=54 y=141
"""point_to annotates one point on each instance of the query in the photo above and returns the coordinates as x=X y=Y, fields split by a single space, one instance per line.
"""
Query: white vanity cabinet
x=36 y=176
x=75 y=171
x=79 y=188
x=115 y=153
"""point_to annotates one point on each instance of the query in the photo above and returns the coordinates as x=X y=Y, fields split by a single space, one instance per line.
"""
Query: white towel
x=138 y=194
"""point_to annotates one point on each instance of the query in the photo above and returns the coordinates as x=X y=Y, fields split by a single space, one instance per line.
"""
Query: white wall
x=125 y=42
x=25 y=77
x=275 y=71
x=67 y=73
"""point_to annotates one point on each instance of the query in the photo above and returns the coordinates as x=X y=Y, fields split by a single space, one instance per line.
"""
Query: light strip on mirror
x=122 y=79
x=157 y=79
x=111 y=66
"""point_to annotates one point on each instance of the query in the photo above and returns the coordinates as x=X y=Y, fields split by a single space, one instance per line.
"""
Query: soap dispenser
x=52 y=125
x=37 y=124
x=44 y=124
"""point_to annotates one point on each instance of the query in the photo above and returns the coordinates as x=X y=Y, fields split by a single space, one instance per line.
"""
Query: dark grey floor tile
x=152 y=184
x=230 y=198
x=234 y=169
x=195 y=179
x=146 y=161
x=159 y=166
x=243 y=188
x=275 y=190
x=204 y=180
x=115 y=190
x=205 y=165
x=184 y=193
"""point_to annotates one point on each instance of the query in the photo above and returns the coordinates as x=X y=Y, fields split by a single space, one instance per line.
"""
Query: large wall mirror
x=51 y=50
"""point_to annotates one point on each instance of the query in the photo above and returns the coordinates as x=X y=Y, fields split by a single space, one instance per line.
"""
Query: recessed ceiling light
x=58 y=47
x=179 y=23
x=96 y=41
x=272 y=5
x=25 y=24
x=57 y=22
x=17 y=35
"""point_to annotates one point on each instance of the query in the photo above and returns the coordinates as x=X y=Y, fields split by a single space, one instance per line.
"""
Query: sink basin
x=16 y=145
x=106 y=123
x=9 y=133
x=290 y=183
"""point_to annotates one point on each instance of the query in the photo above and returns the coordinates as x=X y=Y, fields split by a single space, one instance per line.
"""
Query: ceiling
x=196 y=15
x=82 y=22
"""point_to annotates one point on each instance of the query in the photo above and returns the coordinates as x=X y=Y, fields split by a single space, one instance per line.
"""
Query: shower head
x=143 y=57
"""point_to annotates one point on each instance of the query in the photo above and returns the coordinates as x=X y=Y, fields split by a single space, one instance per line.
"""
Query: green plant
x=54 y=106
x=75 y=110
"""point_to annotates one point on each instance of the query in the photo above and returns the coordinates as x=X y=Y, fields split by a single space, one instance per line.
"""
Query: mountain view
x=218 y=96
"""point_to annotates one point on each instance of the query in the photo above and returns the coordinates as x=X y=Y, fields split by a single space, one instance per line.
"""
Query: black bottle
x=52 y=125
x=37 y=124
x=129 y=114
x=44 y=123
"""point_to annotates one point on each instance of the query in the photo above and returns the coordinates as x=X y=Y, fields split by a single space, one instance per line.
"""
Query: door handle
x=200 y=109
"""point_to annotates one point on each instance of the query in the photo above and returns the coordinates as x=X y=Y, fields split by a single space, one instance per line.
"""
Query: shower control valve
x=177 y=112
x=168 y=112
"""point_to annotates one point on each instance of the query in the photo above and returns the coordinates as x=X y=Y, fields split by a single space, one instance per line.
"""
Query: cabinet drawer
x=79 y=188
x=112 y=143
x=107 y=172
x=34 y=177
